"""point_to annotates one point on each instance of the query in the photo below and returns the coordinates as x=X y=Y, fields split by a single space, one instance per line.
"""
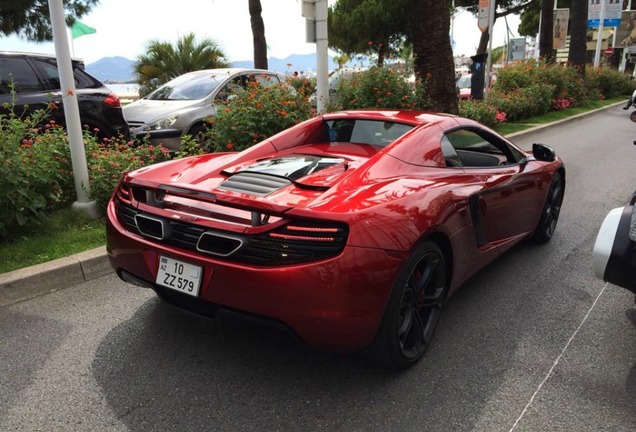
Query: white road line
x=556 y=362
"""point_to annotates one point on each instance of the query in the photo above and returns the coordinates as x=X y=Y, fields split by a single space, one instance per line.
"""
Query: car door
x=506 y=206
x=17 y=74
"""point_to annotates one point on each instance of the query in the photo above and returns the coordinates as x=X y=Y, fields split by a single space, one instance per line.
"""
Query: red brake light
x=112 y=100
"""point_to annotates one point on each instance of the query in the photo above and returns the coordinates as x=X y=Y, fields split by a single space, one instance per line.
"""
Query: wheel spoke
x=431 y=263
x=432 y=300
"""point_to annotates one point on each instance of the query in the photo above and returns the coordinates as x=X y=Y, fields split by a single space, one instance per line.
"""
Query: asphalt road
x=532 y=343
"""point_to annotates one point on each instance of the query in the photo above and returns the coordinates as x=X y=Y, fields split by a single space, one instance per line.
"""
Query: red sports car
x=349 y=230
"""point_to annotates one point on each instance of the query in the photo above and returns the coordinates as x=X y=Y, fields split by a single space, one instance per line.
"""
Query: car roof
x=31 y=54
x=229 y=71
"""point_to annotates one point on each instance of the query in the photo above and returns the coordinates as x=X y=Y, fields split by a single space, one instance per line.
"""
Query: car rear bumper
x=335 y=304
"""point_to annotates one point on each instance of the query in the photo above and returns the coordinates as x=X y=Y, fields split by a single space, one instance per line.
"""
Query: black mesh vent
x=254 y=183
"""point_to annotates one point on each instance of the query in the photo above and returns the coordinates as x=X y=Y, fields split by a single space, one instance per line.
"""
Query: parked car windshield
x=187 y=87
x=464 y=82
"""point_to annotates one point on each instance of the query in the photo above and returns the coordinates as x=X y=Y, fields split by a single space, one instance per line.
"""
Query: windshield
x=187 y=87
x=464 y=82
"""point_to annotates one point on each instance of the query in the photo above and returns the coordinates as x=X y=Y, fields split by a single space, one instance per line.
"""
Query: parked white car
x=181 y=106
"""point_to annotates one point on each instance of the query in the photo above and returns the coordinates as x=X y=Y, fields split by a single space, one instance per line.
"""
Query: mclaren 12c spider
x=349 y=230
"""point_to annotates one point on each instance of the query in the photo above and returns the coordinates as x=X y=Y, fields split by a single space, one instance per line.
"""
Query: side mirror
x=543 y=152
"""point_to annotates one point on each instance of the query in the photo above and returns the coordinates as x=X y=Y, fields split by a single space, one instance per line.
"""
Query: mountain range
x=120 y=69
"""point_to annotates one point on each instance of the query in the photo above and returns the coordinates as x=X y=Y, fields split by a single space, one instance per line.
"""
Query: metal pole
x=71 y=110
x=491 y=31
x=599 y=41
x=322 y=56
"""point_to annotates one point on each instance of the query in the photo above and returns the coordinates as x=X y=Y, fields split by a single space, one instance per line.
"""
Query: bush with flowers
x=606 y=83
x=256 y=114
x=479 y=110
x=107 y=160
x=36 y=172
x=376 y=88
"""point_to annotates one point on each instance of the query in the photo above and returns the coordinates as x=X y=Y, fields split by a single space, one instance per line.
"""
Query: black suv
x=37 y=86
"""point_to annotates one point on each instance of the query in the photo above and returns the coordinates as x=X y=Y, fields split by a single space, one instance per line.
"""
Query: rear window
x=372 y=132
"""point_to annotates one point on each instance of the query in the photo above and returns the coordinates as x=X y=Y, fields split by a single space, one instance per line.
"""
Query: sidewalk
x=41 y=279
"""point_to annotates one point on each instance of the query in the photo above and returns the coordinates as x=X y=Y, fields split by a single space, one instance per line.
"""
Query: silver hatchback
x=181 y=106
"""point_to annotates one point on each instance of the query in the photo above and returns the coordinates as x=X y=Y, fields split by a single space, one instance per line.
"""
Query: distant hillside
x=120 y=69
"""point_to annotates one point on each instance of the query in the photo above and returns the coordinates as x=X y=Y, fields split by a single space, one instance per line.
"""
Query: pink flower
x=500 y=116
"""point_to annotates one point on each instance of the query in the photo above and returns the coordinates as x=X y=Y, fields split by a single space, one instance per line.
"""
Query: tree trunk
x=428 y=29
x=578 y=35
x=258 y=34
x=483 y=41
x=546 y=50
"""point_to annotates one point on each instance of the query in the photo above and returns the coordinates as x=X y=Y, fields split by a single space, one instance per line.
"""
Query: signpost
x=609 y=51
x=483 y=14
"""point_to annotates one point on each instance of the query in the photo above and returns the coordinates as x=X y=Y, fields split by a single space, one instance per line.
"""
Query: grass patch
x=63 y=233
x=67 y=232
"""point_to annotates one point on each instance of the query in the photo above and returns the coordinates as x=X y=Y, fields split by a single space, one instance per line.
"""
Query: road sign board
x=609 y=51
x=483 y=15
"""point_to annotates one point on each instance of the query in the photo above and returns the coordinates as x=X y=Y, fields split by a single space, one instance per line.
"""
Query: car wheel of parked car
x=413 y=309
x=551 y=209
x=199 y=133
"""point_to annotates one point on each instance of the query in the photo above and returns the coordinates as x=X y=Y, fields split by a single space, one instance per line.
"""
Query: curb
x=27 y=283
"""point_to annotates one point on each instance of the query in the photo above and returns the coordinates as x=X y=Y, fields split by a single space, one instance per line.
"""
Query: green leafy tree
x=30 y=19
x=375 y=28
x=164 y=61
x=258 y=34
x=428 y=30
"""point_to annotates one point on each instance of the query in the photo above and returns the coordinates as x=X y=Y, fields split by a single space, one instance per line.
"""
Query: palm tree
x=258 y=34
x=164 y=61
x=578 y=35
x=545 y=36
x=428 y=29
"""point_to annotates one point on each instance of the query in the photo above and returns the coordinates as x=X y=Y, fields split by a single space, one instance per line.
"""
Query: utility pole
x=71 y=111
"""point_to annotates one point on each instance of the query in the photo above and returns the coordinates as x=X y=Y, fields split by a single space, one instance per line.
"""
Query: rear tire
x=551 y=210
x=413 y=309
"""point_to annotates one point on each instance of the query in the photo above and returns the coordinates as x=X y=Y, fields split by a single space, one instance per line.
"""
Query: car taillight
x=112 y=100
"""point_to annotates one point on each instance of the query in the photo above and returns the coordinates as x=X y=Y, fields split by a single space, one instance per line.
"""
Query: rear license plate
x=179 y=276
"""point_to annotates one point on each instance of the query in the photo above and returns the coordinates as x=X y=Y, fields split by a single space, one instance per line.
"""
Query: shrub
x=566 y=82
x=34 y=170
x=256 y=114
x=523 y=102
x=376 y=88
x=109 y=159
x=305 y=86
x=478 y=110
x=607 y=83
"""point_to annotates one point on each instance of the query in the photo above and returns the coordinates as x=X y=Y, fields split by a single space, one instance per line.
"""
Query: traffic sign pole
x=599 y=42
x=491 y=25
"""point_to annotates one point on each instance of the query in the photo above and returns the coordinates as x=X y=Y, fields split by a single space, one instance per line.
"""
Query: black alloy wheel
x=413 y=310
x=551 y=210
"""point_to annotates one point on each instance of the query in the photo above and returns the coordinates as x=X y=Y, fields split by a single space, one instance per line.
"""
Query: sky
x=124 y=28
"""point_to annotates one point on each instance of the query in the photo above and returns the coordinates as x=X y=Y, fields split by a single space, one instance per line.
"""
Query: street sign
x=483 y=15
x=609 y=51
x=611 y=13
